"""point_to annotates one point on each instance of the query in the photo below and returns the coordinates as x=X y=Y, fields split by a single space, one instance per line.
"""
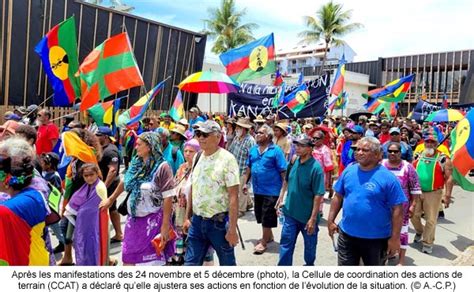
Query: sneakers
x=427 y=249
x=418 y=238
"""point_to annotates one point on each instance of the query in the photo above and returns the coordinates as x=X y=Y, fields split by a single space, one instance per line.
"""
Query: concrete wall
x=355 y=85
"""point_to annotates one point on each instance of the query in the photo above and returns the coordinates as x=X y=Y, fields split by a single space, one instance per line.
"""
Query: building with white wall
x=301 y=58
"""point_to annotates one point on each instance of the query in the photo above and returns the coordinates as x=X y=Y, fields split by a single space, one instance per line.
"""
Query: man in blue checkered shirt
x=240 y=148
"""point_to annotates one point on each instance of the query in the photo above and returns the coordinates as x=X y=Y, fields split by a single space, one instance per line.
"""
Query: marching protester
x=23 y=210
x=305 y=190
x=109 y=167
x=395 y=136
x=240 y=148
x=150 y=186
x=281 y=138
x=48 y=133
x=90 y=232
x=367 y=192
x=84 y=147
x=406 y=174
x=435 y=171
x=266 y=166
x=211 y=217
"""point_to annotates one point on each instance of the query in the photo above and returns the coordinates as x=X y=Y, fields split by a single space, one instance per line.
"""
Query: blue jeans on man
x=289 y=234
x=206 y=232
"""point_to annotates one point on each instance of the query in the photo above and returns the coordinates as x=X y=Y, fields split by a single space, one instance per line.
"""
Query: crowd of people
x=187 y=182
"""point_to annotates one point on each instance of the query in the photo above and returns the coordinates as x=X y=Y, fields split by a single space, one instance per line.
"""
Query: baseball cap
x=394 y=130
x=208 y=126
x=304 y=140
x=358 y=130
x=102 y=130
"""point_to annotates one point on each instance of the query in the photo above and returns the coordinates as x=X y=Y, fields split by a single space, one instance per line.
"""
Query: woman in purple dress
x=406 y=174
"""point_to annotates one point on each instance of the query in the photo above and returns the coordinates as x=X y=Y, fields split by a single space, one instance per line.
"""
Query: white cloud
x=391 y=28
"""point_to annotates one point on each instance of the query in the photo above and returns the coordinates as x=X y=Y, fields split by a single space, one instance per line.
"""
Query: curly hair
x=90 y=139
x=21 y=166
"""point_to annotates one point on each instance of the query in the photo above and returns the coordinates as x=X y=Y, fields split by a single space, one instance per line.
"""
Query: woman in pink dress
x=406 y=174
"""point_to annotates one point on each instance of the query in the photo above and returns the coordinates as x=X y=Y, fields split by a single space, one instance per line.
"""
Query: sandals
x=259 y=248
x=113 y=262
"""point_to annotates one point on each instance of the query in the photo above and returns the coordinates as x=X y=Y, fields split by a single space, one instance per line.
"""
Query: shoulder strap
x=198 y=155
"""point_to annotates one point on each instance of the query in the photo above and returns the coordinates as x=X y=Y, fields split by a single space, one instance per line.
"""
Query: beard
x=429 y=151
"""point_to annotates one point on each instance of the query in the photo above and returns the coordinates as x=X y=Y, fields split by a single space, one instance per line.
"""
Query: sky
x=390 y=28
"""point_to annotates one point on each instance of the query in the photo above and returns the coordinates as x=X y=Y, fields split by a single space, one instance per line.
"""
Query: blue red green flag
x=250 y=61
x=177 y=109
x=58 y=53
x=462 y=151
x=337 y=88
x=136 y=112
x=394 y=91
x=298 y=98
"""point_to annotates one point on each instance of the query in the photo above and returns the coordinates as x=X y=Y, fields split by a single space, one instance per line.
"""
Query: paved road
x=454 y=234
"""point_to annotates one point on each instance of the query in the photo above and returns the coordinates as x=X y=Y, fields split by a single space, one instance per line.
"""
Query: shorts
x=110 y=191
x=265 y=212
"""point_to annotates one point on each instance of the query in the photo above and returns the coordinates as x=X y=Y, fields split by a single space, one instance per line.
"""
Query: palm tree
x=224 y=25
x=330 y=24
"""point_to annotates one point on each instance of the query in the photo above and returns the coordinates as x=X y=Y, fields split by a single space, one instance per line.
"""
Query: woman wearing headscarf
x=150 y=184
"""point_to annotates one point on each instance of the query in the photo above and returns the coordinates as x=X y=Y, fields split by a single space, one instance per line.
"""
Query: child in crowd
x=90 y=224
x=49 y=164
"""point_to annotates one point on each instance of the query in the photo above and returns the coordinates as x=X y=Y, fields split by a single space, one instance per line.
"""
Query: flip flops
x=114 y=240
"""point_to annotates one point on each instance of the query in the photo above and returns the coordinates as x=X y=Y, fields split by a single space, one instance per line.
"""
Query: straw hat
x=244 y=123
x=282 y=126
x=179 y=129
x=259 y=119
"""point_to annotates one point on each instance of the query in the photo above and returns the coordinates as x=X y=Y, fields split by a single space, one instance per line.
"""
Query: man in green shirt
x=305 y=184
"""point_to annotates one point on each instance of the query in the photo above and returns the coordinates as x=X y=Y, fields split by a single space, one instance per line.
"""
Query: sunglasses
x=200 y=134
x=393 y=151
x=317 y=138
x=394 y=134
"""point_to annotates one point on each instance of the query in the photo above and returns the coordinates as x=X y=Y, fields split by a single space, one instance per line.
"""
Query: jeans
x=289 y=234
x=204 y=233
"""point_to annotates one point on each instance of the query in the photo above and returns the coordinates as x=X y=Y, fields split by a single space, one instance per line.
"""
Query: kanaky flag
x=177 y=109
x=394 y=91
x=250 y=61
x=108 y=69
x=136 y=112
x=462 y=151
x=58 y=53
x=337 y=88
x=297 y=99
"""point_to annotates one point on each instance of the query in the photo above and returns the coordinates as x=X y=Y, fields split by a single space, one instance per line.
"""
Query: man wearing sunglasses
x=212 y=207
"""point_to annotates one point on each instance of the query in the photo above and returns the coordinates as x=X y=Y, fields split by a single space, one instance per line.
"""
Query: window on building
x=293 y=71
x=293 y=62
